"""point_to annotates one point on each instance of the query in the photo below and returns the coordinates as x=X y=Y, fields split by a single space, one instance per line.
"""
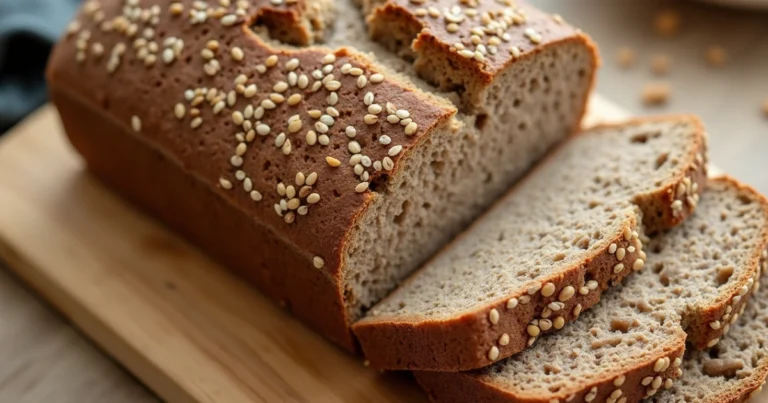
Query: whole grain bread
x=697 y=280
x=545 y=252
x=324 y=176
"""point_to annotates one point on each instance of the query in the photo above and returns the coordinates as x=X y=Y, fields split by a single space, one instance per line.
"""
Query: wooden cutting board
x=182 y=324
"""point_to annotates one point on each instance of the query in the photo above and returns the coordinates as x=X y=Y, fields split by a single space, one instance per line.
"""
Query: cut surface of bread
x=545 y=251
x=343 y=166
x=697 y=278
x=735 y=369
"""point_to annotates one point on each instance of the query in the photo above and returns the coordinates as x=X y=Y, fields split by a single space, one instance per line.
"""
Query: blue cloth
x=28 y=29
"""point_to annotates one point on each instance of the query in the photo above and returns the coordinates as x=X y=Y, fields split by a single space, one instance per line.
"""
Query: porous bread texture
x=735 y=369
x=458 y=171
x=318 y=148
x=544 y=252
x=708 y=264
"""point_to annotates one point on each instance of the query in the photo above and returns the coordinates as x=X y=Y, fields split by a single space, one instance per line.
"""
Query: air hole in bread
x=399 y=218
x=662 y=158
x=480 y=121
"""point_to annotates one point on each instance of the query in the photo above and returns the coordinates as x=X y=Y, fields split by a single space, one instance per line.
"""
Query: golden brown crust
x=479 y=40
x=466 y=341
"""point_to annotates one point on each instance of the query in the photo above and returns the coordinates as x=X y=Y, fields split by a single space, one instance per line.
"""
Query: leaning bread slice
x=545 y=252
x=735 y=369
x=630 y=346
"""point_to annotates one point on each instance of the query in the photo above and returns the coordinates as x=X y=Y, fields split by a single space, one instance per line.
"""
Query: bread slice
x=545 y=252
x=735 y=369
x=697 y=278
x=324 y=175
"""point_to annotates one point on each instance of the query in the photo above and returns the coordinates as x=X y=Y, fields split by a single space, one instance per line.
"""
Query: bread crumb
x=660 y=64
x=667 y=23
x=656 y=94
x=625 y=57
x=716 y=56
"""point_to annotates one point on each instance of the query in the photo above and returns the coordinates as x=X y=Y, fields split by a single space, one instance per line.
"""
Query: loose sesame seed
x=136 y=123
x=318 y=262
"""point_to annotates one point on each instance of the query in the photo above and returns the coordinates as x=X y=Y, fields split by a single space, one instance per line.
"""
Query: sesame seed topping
x=566 y=293
x=332 y=161
x=493 y=353
x=493 y=316
x=361 y=187
x=229 y=20
x=354 y=147
x=559 y=322
x=533 y=330
x=394 y=150
x=504 y=339
x=618 y=268
x=512 y=303
x=548 y=290
x=318 y=262
x=225 y=183
x=271 y=61
x=612 y=248
x=638 y=265
x=376 y=78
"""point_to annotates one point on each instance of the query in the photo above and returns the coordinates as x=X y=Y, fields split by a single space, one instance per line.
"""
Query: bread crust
x=469 y=386
x=464 y=342
x=137 y=94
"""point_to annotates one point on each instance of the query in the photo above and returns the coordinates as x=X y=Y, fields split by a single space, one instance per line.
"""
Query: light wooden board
x=178 y=321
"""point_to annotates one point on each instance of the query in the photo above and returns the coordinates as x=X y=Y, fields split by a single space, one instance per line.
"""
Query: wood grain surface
x=44 y=359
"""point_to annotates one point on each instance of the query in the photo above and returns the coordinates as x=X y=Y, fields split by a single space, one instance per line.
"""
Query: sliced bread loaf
x=735 y=369
x=545 y=252
x=322 y=175
x=698 y=277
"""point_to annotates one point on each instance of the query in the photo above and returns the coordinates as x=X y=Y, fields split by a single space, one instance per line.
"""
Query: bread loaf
x=324 y=176
x=698 y=278
x=545 y=252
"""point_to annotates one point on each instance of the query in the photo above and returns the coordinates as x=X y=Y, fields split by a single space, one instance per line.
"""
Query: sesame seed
x=311 y=137
x=368 y=98
x=577 y=310
x=533 y=330
x=370 y=119
x=548 y=290
x=374 y=109
x=318 y=262
x=313 y=198
x=225 y=183
x=361 y=187
x=559 y=322
x=355 y=159
x=271 y=61
x=387 y=164
x=411 y=128
x=332 y=111
x=512 y=303
x=350 y=131
x=333 y=98
x=286 y=148
x=618 y=268
x=255 y=195
x=566 y=293
x=545 y=324
x=321 y=127
x=323 y=139
x=493 y=353
x=332 y=85
x=393 y=119
x=179 y=111
x=646 y=381
x=493 y=316
x=504 y=339
x=196 y=122
x=377 y=166
x=332 y=161
x=295 y=126
x=467 y=53
x=292 y=64
x=136 y=123
x=612 y=249
x=656 y=382
x=329 y=58
x=358 y=169
x=303 y=81
x=376 y=78
x=268 y=104
x=237 y=54
x=638 y=265
x=385 y=140
x=354 y=147
x=659 y=365
x=668 y=383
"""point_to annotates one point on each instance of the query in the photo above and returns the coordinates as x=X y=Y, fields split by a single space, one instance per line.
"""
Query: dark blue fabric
x=28 y=29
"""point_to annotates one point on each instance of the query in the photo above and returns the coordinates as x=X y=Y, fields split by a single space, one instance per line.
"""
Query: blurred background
x=658 y=57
